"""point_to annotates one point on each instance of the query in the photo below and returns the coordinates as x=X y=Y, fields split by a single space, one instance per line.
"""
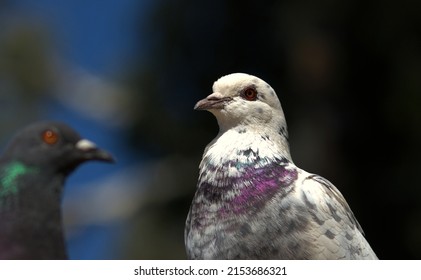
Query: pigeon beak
x=92 y=152
x=213 y=101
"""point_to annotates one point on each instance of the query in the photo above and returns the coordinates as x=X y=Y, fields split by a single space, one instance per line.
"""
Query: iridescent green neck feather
x=9 y=176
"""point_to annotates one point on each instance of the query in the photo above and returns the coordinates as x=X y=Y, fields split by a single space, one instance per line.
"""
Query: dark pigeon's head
x=53 y=146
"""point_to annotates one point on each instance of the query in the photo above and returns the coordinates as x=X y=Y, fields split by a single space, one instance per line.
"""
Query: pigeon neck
x=9 y=176
x=30 y=206
x=21 y=186
x=270 y=145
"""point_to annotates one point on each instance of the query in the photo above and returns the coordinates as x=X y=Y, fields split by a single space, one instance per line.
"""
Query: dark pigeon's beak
x=91 y=152
x=213 y=101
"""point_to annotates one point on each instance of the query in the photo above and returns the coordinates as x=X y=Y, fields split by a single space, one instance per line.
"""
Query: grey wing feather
x=334 y=192
x=337 y=231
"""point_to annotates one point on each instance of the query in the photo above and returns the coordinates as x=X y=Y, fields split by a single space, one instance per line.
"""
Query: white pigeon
x=252 y=202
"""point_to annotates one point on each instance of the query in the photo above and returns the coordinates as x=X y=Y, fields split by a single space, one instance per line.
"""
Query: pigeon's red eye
x=50 y=137
x=250 y=94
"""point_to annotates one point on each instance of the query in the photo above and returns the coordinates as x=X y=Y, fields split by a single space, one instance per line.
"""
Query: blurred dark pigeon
x=33 y=169
x=252 y=202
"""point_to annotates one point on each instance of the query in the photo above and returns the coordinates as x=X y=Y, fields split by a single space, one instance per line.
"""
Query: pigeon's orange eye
x=50 y=137
x=250 y=94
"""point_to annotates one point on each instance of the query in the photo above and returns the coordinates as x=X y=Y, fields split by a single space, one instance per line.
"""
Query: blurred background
x=126 y=74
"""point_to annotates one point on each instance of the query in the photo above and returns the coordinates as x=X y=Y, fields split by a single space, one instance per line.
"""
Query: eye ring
x=50 y=137
x=250 y=94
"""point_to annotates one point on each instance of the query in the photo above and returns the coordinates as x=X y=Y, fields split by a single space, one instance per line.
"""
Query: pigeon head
x=33 y=169
x=241 y=99
x=53 y=146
